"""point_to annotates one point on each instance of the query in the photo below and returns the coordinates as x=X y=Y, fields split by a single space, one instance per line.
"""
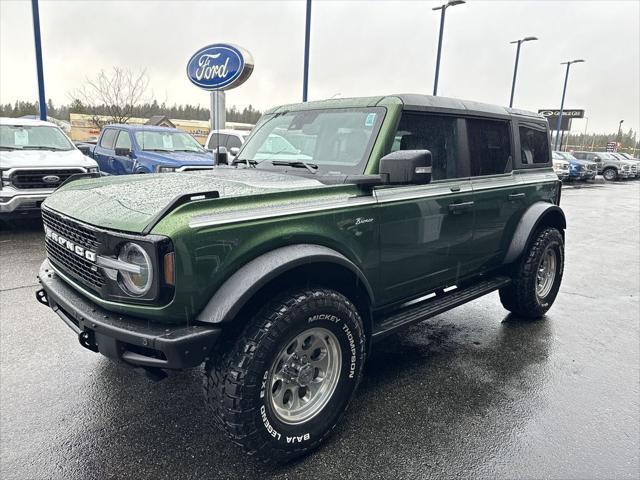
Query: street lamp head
x=451 y=3
x=578 y=61
x=572 y=61
x=529 y=39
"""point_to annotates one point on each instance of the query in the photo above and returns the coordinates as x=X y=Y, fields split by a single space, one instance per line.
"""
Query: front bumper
x=135 y=341
x=22 y=203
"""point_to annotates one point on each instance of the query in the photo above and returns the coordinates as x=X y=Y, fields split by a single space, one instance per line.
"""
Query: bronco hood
x=130 y=202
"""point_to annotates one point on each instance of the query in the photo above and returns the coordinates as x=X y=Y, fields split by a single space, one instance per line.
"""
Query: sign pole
x=307 y=39
x=36 y=34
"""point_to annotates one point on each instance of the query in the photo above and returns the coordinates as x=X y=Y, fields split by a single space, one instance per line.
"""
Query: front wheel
x=536 y=277
x=610 y=174
x=280 y=390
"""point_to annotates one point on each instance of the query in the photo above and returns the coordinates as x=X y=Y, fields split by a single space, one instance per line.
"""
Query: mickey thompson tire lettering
x=237 y=377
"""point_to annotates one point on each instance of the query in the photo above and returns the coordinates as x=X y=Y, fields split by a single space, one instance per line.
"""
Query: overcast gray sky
x=357 y=48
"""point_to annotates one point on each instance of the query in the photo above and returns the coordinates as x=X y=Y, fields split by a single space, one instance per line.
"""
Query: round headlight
x=136 y=283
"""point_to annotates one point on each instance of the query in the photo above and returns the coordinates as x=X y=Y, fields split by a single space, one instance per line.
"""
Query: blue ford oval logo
x=219 y=67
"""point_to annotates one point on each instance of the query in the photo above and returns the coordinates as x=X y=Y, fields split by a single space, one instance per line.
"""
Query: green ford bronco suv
x=338 y=223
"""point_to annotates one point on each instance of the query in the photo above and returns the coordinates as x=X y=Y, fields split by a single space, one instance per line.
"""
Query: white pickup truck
x=36 y=157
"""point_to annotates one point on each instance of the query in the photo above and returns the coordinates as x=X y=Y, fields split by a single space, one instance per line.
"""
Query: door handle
x=516 y=196
x=460 y=207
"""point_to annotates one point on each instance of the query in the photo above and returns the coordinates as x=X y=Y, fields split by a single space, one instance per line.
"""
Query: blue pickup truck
x=125 y=149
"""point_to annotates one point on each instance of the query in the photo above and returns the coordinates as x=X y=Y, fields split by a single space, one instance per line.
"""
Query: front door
x=122 y=162
x=426 y=230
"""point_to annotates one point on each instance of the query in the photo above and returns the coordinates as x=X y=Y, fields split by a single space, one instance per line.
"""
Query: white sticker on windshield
x=371 y=119
x=21 y=137
x=167 y=142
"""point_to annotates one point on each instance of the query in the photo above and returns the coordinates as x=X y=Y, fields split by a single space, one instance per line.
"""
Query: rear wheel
x=536 y=277
x=610 y=174
x=280 y=390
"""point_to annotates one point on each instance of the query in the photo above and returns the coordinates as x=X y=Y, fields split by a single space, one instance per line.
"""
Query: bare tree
x=113 y=98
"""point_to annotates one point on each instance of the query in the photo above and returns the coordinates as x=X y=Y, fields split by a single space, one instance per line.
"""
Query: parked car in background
x=635 y=164
x=125 y=149
x=36 y=157
x=560 y=166
x=610 y=167
x=578 y=169
x=232 y=140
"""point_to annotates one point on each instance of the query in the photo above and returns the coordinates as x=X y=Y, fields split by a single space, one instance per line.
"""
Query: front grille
x=72 y=263
x=28 y=179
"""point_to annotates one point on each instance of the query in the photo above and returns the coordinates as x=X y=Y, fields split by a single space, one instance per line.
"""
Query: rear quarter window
x=534 y=145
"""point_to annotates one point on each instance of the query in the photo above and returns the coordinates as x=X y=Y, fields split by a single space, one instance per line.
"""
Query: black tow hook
x=41 y=296
x=88 y=341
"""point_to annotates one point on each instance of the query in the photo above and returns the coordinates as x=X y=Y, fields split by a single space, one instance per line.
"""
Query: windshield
x=331 y=141
x=566 y=155
x=167 y=141
x=31 y=137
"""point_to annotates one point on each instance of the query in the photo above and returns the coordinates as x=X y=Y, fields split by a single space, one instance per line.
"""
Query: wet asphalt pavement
x=472 y=393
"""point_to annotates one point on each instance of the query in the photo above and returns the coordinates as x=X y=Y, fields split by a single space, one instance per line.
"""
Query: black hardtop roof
x=413 y=101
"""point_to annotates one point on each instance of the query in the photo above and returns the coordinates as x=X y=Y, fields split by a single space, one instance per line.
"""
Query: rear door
x=426 y=230
x=104 y=152
x=498 y=195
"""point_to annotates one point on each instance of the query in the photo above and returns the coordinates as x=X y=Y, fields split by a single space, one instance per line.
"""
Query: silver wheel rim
x=304 y=376
x=609 y=175
x=546 y=273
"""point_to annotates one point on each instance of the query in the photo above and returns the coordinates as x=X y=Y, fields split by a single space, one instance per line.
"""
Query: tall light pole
x=515 y=68
x=619 y=137
x=564 y=91
x=36 y=36
x=443 y=8
x=307 y=39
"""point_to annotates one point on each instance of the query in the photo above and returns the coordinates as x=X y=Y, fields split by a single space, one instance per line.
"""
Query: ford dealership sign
x=220 y=67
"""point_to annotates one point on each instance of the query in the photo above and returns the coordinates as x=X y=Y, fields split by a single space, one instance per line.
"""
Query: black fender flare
x=237 y=290
x=535 y=215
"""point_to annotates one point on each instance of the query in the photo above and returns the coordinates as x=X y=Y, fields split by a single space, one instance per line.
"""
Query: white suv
x=232 y=140
x=36 y=157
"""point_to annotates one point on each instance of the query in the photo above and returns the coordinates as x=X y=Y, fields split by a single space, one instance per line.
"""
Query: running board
x=437 y=305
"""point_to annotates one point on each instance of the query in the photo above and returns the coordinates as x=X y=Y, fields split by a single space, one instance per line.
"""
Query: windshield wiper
x=157 y=150
x=295 y=164
x=10 y=148
x=41 y=147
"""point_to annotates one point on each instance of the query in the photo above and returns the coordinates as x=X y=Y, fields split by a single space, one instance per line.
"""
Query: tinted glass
x=534 y=145
x=336 y=141
x=434 y=133
x=489 y=147
x=31 y=137
x=123 y=140
x=233 y=142
x=217 y=139
x=108 y=138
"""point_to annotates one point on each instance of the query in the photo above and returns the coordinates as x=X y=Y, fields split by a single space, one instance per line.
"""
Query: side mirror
x=596 y=159
x=123 y=152
x=234 y=151
x=406 y=167
x=221 y=156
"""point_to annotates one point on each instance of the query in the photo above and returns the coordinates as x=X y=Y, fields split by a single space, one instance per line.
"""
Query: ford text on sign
x=219 y=67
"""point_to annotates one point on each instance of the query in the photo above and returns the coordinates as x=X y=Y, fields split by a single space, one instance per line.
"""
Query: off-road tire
x=520 y=296
x=235 y=380
x=610 y=174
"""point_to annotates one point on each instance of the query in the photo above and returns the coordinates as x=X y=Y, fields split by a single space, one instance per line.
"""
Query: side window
x=534 y=145
x=489 y=147
x=108 y=138
x=123 y=140
x=438 y=134
x=233 y=141
x=216 y=140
